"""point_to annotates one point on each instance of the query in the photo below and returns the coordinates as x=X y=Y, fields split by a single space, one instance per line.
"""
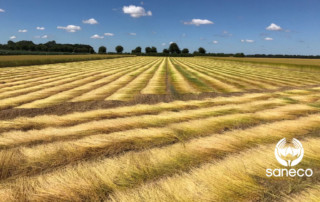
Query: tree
x=154 y=49
x=239 y=55
x=11 y=45
x=119 y=49
x=148 y=50
x=165 y=51
x=185 y=51
x=91 y=51
x=202 y=50
x=138 y=49
x=102 y=50
x=174 y=48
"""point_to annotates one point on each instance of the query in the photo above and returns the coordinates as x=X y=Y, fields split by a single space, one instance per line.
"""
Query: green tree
x=174 y=48
x=239 y=55
x=102 y=50
x=119 y=49
x=154 y=49
x=148 y=50
x=138 y=49
x=11 y=45
x=165 y=51
x=185 y=51
x=202 y=50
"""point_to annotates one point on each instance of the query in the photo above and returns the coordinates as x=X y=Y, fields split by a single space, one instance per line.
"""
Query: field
x=302 y=63
x=26 y=60
x=156 y=129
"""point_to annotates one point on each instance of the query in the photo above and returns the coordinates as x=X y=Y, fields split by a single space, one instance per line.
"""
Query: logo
x=289 y=155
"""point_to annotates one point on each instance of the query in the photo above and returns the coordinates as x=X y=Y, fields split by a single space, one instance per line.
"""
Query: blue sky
x=227 y=26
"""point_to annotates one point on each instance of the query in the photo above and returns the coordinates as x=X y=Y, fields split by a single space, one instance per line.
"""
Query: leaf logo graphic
x=282 y=151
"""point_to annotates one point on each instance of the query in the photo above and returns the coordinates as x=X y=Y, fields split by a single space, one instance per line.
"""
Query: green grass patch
x=290 y=100
x=194 y=80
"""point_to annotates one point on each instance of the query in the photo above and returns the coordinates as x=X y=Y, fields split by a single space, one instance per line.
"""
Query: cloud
x=136 y=11
x=22 y=30
x=96 y=36
x=2 y=11
x=133 y=34
x=273 y=27
x=90 y=21
x=171 y=42
x=198 y=22
x=163 y=44
x=41 y=37
x=70 y=28
x=13 y=37
x=215 y=42
x=264 y=34
x=247 y=41
x=224 y=34
x=108 y=34
x=268 y=39
x=40 y=28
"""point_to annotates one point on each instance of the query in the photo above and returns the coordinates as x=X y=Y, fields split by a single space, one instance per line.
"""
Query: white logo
x=288 y=155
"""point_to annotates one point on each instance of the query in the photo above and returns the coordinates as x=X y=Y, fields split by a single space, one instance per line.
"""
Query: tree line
x=50 y=46
x=24 y=46
x=172 y=50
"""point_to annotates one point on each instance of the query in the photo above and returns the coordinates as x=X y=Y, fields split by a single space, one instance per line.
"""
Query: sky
x=224 y=26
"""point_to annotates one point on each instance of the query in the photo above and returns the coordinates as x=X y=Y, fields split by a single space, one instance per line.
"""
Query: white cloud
x=247 y=40
x=163 y=44
x=273 y=27
x=13 y=37
x=268 y=39
x=90 y=21
x=171 y=42
x=108 y=34
x=41 y=37
x=70 y=28
x=226 y=33
x=2 y=11
x=215 y=42
x=133 y=34
x=96 y=36
x=40 y=28
x=198 y=22
x=22 y=30
x=136 y=11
